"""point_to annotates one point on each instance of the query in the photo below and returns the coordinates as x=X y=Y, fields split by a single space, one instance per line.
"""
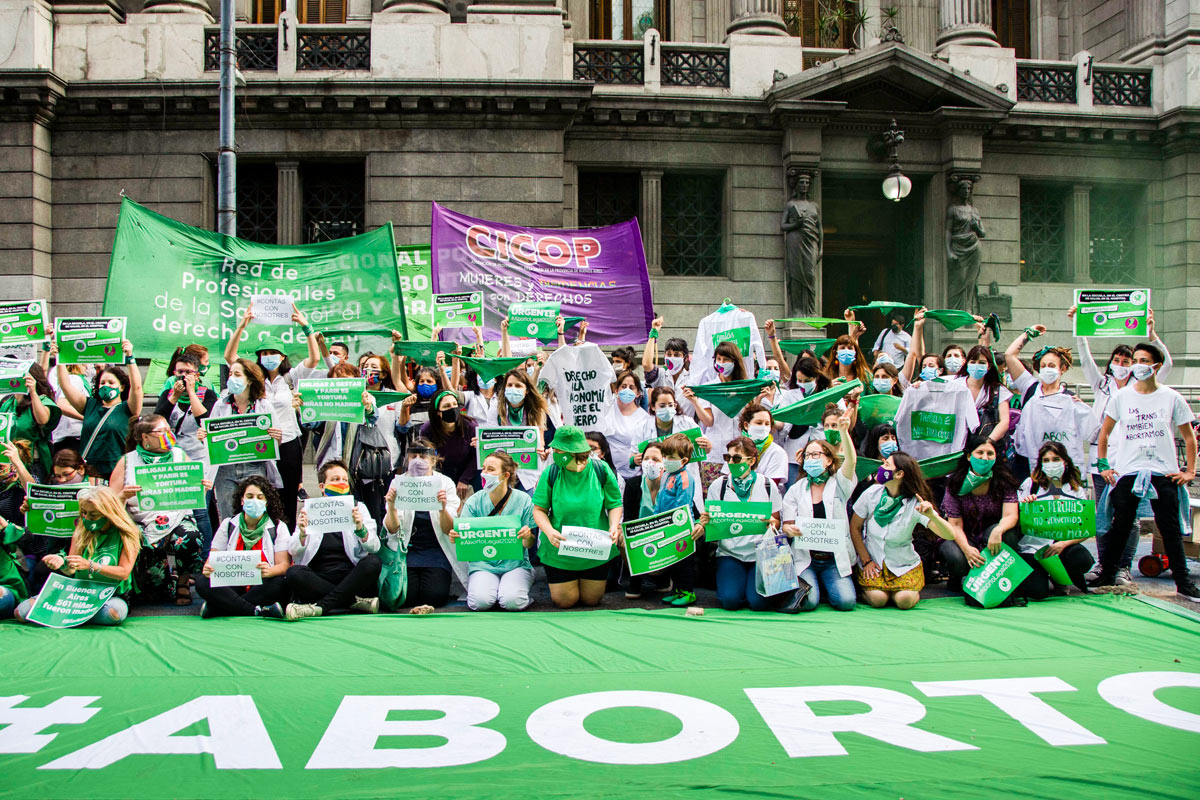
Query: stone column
x=1079 y=218
x=177 y=7
x=72 y=10
x=965 y=22
x=650 y=219
x=290 y=214
x=358 y=11
x=414 y=6
x=760 y=17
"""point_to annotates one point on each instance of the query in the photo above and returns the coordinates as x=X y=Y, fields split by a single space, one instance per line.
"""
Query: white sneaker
x=297 y=611
x=1095 y=573
x=1124 y=578
x=366 y=605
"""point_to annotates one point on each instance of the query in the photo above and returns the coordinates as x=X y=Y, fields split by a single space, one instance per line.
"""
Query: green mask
x=739 y=469
x=562 y=459
x=834 y=437
x=93 y=525
x=204 y=369
x=108 y=393
x=982 y=466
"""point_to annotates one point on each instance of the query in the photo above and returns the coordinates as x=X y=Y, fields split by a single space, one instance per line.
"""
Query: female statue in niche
x=964 y=229
x=803 y=242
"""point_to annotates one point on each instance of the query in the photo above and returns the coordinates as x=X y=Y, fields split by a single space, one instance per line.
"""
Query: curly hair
x=274 y=504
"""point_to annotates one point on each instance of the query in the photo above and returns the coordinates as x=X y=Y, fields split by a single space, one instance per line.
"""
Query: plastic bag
x=774 y=567
x=393 y=577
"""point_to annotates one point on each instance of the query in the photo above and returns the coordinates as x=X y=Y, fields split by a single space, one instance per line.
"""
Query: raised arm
x=849 y=454
x=310 y=338
x=776 y=350
x=650 y=351
x=505 y=344
x=231 y=347
x=135 y=379
x=1012 y=356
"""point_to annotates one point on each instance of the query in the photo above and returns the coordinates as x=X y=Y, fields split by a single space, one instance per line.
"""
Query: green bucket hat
x=271 y=342
x=570 y=439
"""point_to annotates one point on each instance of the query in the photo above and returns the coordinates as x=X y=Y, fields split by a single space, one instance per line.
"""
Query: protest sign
x=272 y=309
x=330 y=514
x=20 y=352
x=413 y=263
x=659 y=540
x=177 y=283
x=488 y=539
x=417 y=494
x=332 y=399
x=89 y=340
x=826 y=536
x=994 y=580
x=533 y=319
x=521 y=443
x=23 y=322
x=597 y=273
x=170 y=486
x=67 y=602
x=581 y=542
x=931 y=426
x=457 y=310
x=235 y=568
x=6 y=426
x=582 y=378
x=52 y=510
x=12 y=376
x=731 y=518
x=1119 y=313
x=1060 y=518
x=523 y=347
x=240 y=438
x=1054 y=566
x=698 y=452
x=739 y=336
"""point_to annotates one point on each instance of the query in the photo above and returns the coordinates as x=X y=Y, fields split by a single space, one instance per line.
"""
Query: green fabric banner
x=932 y=467
x=414 y=265
x=730 y=397
x=809 y=410
x=814 y=322
x=878 y=409
x=424 y=353
x=488 y=368
x=819 y=347
x=176 y=283
x=951 y=319
x=886 y=307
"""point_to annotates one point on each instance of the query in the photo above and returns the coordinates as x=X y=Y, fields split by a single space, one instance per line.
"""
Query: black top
x=331 y=556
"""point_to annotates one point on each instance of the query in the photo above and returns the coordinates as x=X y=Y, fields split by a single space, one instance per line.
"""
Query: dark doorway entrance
x=874 y=248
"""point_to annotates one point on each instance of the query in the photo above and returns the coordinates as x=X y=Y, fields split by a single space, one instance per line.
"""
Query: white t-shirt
x=797 y=504
x=935 y=398
x=723 y=430
x=582 y=377
x=67 y=426
x=743 y=547
x=891 y=545
x=1032 y=544
x=279 y=396
x=1056 y=417
x=886 y=343
x=624 y=433
x=1144 y=436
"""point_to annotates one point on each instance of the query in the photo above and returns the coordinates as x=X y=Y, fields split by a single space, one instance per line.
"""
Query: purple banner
x=595 y=273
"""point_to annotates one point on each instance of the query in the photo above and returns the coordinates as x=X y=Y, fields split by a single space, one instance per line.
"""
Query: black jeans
x=956 y=563
x=1166 y=517
x=309 y=586
x=1076 y=559
x=291 y=472
x=428 y=586
x=235 y=601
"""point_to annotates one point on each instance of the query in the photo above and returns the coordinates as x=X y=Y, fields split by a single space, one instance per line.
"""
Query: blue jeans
x=735 y=585
x=8 y=602
x=823 y=576
x=204 y=525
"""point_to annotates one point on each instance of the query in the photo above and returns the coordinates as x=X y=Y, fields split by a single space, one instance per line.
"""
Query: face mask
x=977 y=371
x=928 y=373
x=530 y=370
x=833 y=437
x=93 y=525
x=953 y=365
x=666 y=413
x=884 y=358
x=108 y=393
x=562 y=459
x=982 y=466
x=814 y=467
x=165 y=441
x=771 y=375
x=514 y=395
x=375 y=378
x=672 y=465
x=674 y=363
x=1142 y=371
x=418 y=467
x=627 y=395
x=888 y=447
x=487 y=385
x=739 y=469
x=845 y=357
x=490 y=481
x=758 y=433
x=723 y=367
x=426 y=390
x=806 y=386
x=235 y=385
x=652 y=469
x=336 y=488
x=1054 y=469
x=204 y=369
x=1120 y=372
x=271 y=362
x=449 y=415
x=882 y=385
x=334 y=360
x=254 y=507
x=883 y=475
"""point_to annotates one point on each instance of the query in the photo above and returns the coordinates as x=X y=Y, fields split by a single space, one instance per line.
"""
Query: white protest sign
x=825 y=535
x=272 y=309
x=417 y=494
x=523 y=347
x=235 y=568
x=329 y=514
x=581 y=542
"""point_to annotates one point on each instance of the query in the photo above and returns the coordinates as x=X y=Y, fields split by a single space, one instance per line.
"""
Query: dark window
x=1010 y=20
x=333 y=200
x=257 y=203
x=823 y=23
x=606 y=198
x=266 y=12
x=1043 y=233
x=1112 y=231
x=322 y=12
x=691 y=223
x=628 y=19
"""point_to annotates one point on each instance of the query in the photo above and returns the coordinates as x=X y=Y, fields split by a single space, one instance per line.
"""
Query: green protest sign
x=659 y=540
x=169 y=486
x=1060 y=518
x=89 y=340
x=458 y=310
x=23 y=322
x=6 y=426
x=67 y=602
x=1119 y=313
x=239 y=439
x=995 y=579
x=739 y=336
x=809 y=410
x=533 y=319
x=488 y=539
x=878 y=409
x=726 y=519
x=519 y=442
x=52 y=510
x=1054 y=566
x=12 y=376
x=414 y=267
x=932 y=426
x=698 y=452
x=332 y=399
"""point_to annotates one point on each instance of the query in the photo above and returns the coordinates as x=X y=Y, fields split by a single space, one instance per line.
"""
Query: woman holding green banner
x=1053 y=560
x=116 y=399
x=35 y=416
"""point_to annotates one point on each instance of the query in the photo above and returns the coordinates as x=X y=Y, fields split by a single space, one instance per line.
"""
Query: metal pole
x=226 y=150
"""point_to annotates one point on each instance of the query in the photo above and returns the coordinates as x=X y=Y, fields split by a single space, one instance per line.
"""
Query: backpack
x=370 y=458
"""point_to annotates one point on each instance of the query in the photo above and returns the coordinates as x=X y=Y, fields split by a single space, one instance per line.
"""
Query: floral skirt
x=886 y=580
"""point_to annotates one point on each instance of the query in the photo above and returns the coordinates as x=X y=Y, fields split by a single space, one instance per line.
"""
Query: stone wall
x=25 y=209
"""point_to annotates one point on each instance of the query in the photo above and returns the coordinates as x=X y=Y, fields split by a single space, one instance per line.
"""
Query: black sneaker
x=1103 y=580
x=273 y=611
x=1188 y=591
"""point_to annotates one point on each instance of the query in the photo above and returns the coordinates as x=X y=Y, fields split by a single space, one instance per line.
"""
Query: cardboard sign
x=239 y=439
x=12 y=376
x=1119 y=313
x=332 y=399
x=458 y=310
x=89 y=340
x=537 y=320
x=581 y=542
x=272 y=309
x=659 y=540
x=732 y=518
x=1060 y=518
x=993 y=581
x=417 y=494
x=52 y=510
x=235 y=568
x=23 y=322
x=68 y=602
x=488 y=539
x=329 y=514
x=826 y=536
x=519 y=442
x=170 y=486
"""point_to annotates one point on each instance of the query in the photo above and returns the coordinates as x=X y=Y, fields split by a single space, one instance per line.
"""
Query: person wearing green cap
x=575 y=491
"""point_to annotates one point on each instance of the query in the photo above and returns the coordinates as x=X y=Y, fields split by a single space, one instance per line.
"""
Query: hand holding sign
x=271 y=309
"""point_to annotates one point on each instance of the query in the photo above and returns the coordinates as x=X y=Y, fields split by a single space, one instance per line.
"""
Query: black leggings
x=234 y=601
x=291 y=472
x=308 y=586
x=1075 y=559
x=428 y=586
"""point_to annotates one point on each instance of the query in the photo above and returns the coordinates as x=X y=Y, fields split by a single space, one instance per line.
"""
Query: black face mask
x=448 y=415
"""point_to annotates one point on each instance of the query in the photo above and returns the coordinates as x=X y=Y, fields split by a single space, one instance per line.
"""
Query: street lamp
x=896 y=185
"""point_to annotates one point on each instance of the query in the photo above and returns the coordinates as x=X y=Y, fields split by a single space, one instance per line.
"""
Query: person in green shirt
x=116 y=399
x=576 y=490
x=12 y=585
x=35 y=416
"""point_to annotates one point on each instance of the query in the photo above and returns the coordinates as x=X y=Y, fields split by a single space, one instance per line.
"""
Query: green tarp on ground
x=502 y=673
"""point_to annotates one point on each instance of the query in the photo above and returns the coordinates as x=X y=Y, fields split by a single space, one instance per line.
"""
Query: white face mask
x=1120 y=372
x=1142 y=371
x=1048 y=375
x=953 y=364
x=674 y=363
x=652 y=469
x=666 y=413
x=758 y=433
x=1054 y=469
x=723 y=367
x=806 y=386
x=490 y=481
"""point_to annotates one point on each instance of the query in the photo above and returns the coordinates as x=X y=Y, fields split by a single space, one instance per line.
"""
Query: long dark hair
x=1070 y=472
x=913 y=483
x=870 y=445
x=1119 y=350
x=809 y=366
x=122 y=378
x=274 y=504
x=731 y=351
x=606 y=451
x=41 y=386
x=462 y=428
x=991 y=381
x=1001 y=481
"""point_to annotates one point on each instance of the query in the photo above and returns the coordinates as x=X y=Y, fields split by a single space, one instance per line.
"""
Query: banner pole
x=226 y=150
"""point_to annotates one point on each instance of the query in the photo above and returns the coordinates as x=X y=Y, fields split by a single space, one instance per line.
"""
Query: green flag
x=383 y=398
x=814 y=322
x=424 y=353
x=886 y=307
x=819 y=347
x=866 y=467
x=878 y=409
x=951 y=319
x=809 y=410
x=938 y=466
x=488 y=368
x=730 y=397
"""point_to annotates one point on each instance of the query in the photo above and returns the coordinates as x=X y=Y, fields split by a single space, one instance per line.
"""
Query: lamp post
x=226 y=148
x=896 y=185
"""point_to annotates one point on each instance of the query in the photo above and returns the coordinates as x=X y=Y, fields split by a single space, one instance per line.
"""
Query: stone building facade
x=1078 y=122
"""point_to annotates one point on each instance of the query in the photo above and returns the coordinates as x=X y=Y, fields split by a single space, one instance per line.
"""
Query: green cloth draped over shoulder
x=731 y=397
x=809 y=410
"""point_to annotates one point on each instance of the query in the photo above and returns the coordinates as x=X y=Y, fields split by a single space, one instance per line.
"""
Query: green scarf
x=250 y=536
x=887 y=508
x=731 y=396
x=516 y=416
x=765 y=443
x=971 y=482
x=744 y=485
x=152 y=458
x=817 y=481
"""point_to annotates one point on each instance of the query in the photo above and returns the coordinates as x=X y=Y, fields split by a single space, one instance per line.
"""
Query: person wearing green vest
x=104 y=547
x=116 y=399
x=35 y=416
x=575 y=490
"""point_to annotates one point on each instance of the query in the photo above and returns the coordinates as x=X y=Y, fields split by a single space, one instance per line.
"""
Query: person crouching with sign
x=104 y=547
x=336 y=571
x=257 y=524
x=425 y=534
x=882 y=530
x=500 y=582
x=1054 y=475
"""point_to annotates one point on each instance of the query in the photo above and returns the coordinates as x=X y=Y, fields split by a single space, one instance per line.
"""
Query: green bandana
x=488 y=368
x=152 y=458
x=833 y=436
x=731 y=397
x=744 y=485
x=250 y=536
x=971 y=482
x=950 y=318
x=819 y=347
x=809 y=410
x=818 y=480
x=424 y=353
x=887 y=508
